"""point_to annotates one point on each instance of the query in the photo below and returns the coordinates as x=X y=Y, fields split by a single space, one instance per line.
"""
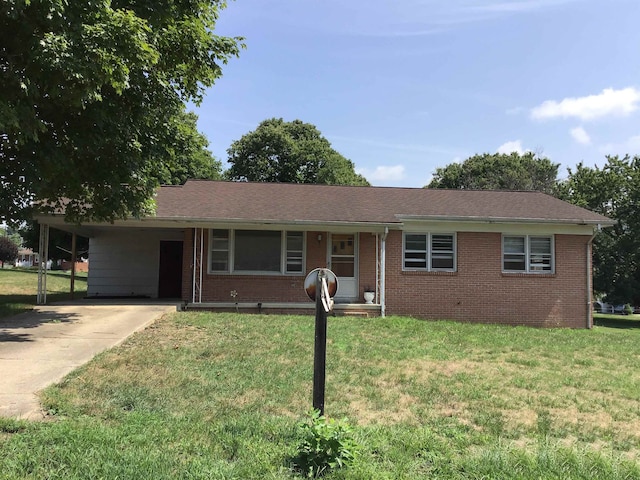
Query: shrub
x=326 y=445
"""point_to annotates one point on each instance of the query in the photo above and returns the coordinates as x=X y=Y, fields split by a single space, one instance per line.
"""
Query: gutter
x=566 y=221
x=172 y=222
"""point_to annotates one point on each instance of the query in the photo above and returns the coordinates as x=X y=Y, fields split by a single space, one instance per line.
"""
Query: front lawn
x=19 y=288
x=202 y=395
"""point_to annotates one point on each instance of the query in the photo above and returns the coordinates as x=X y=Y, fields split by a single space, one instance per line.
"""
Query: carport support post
x=73 y=264
x=43 y=258
x=320 y=348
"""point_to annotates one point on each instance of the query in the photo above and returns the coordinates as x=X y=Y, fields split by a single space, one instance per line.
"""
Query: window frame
x=528 y=255
x=284 y=253
x=429 y=252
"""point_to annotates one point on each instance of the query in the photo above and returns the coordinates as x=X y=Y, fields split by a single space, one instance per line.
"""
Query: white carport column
x=198 y=245
x=43 y=253
x=383 y=269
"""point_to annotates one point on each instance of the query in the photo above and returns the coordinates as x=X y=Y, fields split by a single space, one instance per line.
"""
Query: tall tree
x=614 y=191
x=91 y=94
x=186 y=154
x=289 y=152
x=499 y=171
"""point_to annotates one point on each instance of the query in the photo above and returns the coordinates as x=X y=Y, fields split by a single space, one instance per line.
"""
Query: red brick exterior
x=252 y=288
x=480 y=292
x=477 y=292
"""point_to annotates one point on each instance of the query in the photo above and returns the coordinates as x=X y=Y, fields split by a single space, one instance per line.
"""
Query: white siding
x=125 y=262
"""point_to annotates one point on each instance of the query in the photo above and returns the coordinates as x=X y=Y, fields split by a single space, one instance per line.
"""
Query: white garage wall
x=125 y=262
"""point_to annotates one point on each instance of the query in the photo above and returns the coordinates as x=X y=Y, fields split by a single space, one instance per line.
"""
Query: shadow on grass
x=616 y=321
x=15 y=304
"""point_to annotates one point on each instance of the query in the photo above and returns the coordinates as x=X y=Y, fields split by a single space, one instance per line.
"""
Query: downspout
x=201 y=259
x=377 y=268
x=589 y=273
x=194 y=266
x=383 y=261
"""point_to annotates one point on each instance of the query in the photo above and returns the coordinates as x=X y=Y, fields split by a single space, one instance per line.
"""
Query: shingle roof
x=278 y=202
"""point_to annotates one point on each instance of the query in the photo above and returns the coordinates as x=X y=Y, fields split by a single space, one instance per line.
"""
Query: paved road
x=39 y=348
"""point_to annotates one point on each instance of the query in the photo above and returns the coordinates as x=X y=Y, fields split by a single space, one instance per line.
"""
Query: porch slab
x=306 y=308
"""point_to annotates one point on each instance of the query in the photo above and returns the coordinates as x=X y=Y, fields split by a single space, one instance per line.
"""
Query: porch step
x=353 y=313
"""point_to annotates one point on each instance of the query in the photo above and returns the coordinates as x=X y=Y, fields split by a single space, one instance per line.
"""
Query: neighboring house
x=477 y=256
x=26 y=258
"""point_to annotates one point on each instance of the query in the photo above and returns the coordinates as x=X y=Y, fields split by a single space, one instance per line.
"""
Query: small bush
x=327 y=445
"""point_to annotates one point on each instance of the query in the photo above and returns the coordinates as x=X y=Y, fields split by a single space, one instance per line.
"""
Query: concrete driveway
x=39 y=348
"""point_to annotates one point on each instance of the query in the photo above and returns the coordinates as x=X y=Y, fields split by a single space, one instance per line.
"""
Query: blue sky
x=403 y=87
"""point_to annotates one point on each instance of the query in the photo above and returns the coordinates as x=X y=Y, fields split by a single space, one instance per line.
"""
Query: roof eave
x=483 y=219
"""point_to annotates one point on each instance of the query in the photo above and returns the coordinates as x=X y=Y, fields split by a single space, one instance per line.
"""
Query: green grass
x=201 y=395
x=19 y=287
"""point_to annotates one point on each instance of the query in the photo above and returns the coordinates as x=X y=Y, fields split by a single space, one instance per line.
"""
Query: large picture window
x=527 y=254
x=429 y=252
x=256 y=251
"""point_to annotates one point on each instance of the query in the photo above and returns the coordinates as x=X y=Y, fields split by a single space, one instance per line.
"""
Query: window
x=527 y=253
x=429 y=252
x=256 y=251
x=220 y=250
x=295 y=252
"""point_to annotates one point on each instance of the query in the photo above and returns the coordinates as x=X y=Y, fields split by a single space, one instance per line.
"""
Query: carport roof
x=305 y=203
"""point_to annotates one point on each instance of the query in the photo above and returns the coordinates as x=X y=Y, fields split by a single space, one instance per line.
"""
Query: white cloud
x=630 y=146
x=382 y=174
x=609 y=102
x=510 y=147
x=580 y=135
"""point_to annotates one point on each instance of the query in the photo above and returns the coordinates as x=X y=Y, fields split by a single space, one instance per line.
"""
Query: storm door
x=343 y=261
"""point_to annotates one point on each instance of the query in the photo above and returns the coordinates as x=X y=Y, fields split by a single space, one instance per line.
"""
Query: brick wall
x=477 y=292
x=253 y=288
x=480 y=292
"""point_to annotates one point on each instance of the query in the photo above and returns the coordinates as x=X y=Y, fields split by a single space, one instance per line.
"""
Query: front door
x=170 y=274
x=343 y=261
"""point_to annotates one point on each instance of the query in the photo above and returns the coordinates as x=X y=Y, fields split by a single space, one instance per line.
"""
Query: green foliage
x=93 y=101
x=186 y=155
x=614 y=191
x=327 y=445
x=289 y=152
x=499 y=171
x=8 y=250
x=14 y=235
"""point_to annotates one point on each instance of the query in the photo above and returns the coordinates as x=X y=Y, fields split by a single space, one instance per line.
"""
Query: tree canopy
x=499 y=171
x=614 y=191
x=93 y=94
x=186 y=154
x=289 y=152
